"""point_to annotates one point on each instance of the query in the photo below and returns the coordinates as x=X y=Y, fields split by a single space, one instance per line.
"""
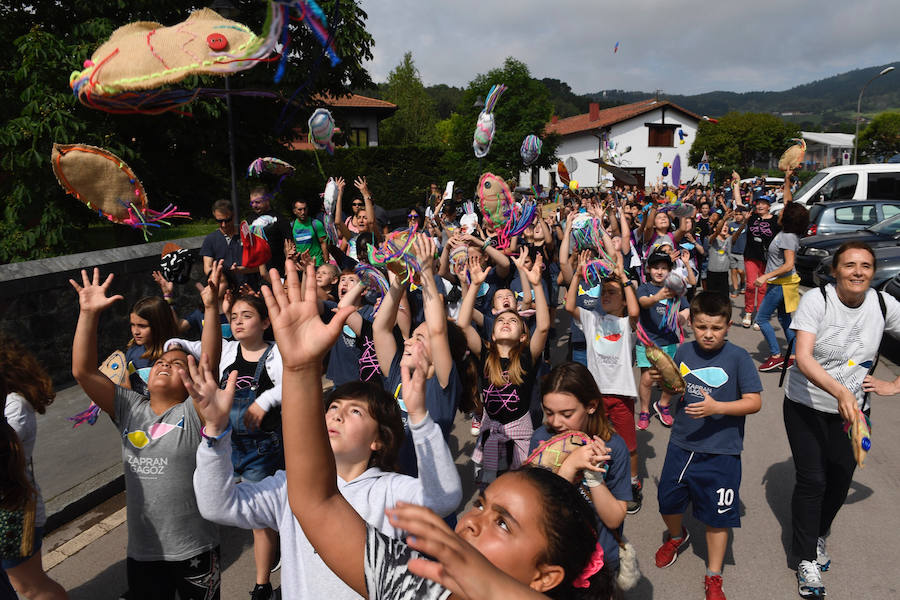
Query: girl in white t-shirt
x=610 y=340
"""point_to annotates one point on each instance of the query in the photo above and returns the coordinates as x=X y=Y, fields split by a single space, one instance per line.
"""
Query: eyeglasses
x=356 y=204
x=223 y=221
x=412 y=216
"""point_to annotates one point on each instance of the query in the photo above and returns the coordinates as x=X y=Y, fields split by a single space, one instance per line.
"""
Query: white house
x=359 y=117
x=656 y=131
x=826 y=149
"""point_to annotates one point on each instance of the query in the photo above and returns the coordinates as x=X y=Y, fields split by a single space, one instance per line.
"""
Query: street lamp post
x=229 y=11
x=859 y=106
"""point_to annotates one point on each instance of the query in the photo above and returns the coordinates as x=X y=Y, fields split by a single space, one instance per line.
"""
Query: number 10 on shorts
x=726 y=498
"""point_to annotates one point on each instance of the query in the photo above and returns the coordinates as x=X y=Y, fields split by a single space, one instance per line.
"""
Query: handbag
x=17 y=530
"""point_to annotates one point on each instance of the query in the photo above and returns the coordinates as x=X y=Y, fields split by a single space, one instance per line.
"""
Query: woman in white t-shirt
x=29 y=390
x=838 y=332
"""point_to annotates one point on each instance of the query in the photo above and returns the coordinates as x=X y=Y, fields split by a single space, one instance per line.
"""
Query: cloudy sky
x=679 y=46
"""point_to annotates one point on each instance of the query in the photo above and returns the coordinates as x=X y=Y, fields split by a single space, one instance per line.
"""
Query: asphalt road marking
x=83 y=539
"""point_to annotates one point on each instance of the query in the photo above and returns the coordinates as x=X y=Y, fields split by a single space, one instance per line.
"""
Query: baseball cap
x=659 y=255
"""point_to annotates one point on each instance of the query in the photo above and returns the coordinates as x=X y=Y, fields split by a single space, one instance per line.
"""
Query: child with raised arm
x=508 y=366
x=365 y=432
x=171 y=548
x=610 y=332
x=703 y=459
x=530 y=531
x=653 y=298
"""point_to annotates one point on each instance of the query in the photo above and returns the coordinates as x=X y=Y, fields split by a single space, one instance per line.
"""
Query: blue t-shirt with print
x=726 y=375
x=352 y=357
x=737 y=247
x=617 y=481
x=588 y=298
x=441 y=404
x=652 y=319
x=138 y=368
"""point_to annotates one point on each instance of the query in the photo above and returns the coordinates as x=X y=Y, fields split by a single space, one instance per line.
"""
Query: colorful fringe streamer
x=517 y=221
x=372 y=278
x=596 y=271
x=142 y=219
x=493 y=96
x=395 y=249
x=88 y=416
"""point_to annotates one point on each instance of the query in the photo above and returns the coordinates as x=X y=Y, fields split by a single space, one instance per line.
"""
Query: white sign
x=845 y=158
x=571 y=164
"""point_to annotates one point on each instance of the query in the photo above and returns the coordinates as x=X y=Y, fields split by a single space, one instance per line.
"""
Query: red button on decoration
x=216 y=41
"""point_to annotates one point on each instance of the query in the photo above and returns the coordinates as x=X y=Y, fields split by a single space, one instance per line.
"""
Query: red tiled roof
x=355 y=101
x=610 y=116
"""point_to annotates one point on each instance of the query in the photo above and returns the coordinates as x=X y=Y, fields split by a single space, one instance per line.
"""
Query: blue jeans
x=774 y=299
x=255 y=454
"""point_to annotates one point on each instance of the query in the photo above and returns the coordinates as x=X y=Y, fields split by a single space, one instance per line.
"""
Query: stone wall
x=39 y=307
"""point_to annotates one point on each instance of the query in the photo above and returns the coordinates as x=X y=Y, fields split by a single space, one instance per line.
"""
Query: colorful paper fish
x=616 y=49
x=486 y=127
x=321 y=130
x=531 y=149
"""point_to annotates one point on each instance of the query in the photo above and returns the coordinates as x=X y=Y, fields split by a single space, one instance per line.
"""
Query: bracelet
x=211 y=440
x=487 y=243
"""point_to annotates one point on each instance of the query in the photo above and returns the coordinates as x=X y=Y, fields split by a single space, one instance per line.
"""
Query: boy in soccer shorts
x=703 y=459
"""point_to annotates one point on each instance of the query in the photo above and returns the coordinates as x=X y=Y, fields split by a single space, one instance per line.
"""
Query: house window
x=660 y=136
x=359 y=136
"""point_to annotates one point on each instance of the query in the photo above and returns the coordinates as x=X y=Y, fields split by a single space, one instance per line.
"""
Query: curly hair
x=25 y=375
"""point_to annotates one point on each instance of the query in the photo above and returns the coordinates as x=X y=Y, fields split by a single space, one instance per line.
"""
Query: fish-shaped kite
x=494 y=199
x=130 y=71
x=486 y=126
x=793 y=156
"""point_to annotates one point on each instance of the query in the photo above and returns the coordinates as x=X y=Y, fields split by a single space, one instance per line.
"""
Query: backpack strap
x=883 y=308
x=790 y=345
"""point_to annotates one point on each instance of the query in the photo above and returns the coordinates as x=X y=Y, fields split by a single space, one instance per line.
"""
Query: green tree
x=413 y=123
x=739 y=140
x=180 y=158
x=523 y=109
x=881 y=138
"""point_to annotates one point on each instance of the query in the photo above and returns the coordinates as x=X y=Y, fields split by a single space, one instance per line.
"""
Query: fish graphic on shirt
x=711 y=376
x=139 y=438
x=866 y=364
x=607 y=340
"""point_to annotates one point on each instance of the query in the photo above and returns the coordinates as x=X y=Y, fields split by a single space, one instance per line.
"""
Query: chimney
x=554 y=119
x=594 y=114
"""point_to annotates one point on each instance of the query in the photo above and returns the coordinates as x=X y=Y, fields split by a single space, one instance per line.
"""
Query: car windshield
x=889 y=227
x=812 y=183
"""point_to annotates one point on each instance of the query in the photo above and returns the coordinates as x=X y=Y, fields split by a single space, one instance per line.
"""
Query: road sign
x=571 y=164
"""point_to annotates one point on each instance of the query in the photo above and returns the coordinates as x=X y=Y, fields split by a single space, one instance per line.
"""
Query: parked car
x=892 y=286
x=887 y=267
x=849 y=215
x=851 y=182
x=813 y=250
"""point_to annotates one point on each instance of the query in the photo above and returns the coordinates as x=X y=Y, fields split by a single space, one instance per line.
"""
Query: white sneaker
x=747 y=320
x=476 y=425
x=822 y=558
x=756 y=326
x=809 y=580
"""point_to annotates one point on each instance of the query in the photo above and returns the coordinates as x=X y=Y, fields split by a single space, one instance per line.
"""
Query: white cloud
x=683 y=46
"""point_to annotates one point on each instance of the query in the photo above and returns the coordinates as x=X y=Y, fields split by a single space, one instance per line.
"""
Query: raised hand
x=92 y=294
x=303 y=339
x=213 y=291
x=340 y=183
x=165 y=286
x=363 y=186
x=519 y=260
x=424 y=247
x=213 y=403
x=477 y=274
x=534 y=275
x=413 y=371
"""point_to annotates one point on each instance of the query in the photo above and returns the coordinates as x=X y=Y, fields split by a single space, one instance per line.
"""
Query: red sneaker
x=668 y=552
x=714 y=588
x=772 y=364
x=643 y=421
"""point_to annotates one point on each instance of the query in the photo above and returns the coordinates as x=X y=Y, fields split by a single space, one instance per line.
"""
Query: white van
x=852 y=182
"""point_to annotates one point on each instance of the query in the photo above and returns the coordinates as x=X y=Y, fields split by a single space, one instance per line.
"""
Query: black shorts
x=196 y=578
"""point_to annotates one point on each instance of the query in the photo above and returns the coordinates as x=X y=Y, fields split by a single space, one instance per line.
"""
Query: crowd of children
x=224 y=420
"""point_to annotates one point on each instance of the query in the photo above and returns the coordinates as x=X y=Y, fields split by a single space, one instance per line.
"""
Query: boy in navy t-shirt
x=653 y=298
x=703 y=460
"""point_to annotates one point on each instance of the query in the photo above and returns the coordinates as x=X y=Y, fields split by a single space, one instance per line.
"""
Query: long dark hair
x=158 y=314
x=795 y=219
x=15 y=488
x=466 y=368
x=386 y=412
x=25 y=375
x=570 y=526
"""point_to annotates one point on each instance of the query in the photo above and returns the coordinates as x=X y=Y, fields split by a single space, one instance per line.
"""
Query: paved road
x=863 y=543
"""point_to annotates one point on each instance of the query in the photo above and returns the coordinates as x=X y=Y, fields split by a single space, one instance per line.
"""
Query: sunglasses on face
x=413 y=216
x=357 y=204
x=223 y=221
